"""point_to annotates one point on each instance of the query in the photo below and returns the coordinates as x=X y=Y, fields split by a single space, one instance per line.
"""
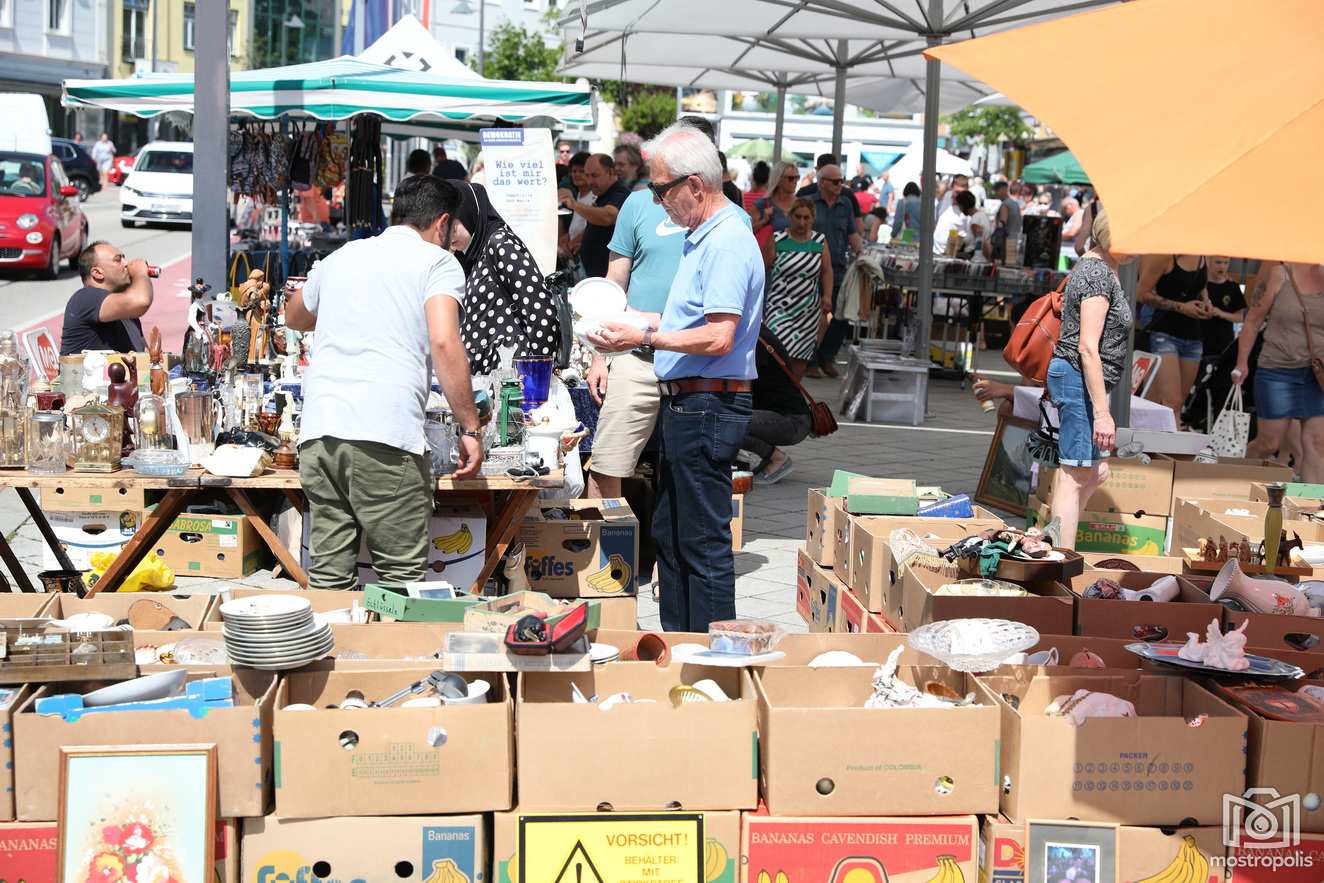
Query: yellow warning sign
x=615 y=848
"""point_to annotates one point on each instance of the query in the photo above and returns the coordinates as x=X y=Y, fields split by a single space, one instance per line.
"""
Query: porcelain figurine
x=255 y=303
x=889 y=691
x=157 y=371
x=1165 y=588
x=1225 y=651
x=1234 y=589
x=1084 y=704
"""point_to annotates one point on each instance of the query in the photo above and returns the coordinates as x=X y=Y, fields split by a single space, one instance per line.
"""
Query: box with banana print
x=582 y=548
x=457 y=546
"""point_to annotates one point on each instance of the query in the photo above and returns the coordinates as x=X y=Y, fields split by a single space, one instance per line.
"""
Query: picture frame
x=1077 y=852
x=153 y=806
x=1004 y=482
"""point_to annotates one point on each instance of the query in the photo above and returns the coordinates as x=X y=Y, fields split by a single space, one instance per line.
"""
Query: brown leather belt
x=703 y=384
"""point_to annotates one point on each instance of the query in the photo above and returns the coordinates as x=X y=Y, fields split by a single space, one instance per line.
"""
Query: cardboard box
x=242 y=735
x=835 y=850
x=28 y=851
x=636 y=756
x=867 y=495
x=1111 y=533
x=617 y=613
x=1112 y=651
x=413 y=642
x=1192 y=612
x=25 y=605
x=457 y=548
x=1147 y=563
x=193 y=609
x=1098 y=771
x=221 y=546
x=852 y=618
x=321 y=600
x=1258 y=862
x=1002 y=850
x=1194 y=518
x=1229 y=479
x=499 y=614
x=392 y=605
x=866 y=564
x=821 y=519
x=84 y=493
x=823 y=753
x=1048 y=608
x=680 y=846
x=418 y=848
x=816 y=594
x=800 y=649
x=380 y=761
x=11 y=699
x=1278 y=633
x=1146 y=853
x=581 y=548
x=80 y=534
x=1132 y=487
x=737 y=522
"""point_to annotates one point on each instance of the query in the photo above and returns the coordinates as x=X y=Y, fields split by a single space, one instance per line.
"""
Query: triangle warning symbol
x=578 y=867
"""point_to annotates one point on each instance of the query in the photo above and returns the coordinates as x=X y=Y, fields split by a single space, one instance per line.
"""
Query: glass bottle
x=47 y=448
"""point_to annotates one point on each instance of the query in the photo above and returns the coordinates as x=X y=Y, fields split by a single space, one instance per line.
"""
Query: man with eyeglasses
x=704 y=362
x=834 y=217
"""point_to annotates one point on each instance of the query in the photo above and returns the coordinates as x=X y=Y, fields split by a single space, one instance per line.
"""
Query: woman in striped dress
x=800 y=290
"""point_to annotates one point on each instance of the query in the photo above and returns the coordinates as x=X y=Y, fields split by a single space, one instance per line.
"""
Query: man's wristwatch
x=472 y=433
x=648 y=339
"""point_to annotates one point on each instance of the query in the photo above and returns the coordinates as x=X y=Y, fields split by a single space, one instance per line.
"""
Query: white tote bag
x=1232 y=428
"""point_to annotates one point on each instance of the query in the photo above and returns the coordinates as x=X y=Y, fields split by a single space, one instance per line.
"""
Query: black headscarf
x=478 y=216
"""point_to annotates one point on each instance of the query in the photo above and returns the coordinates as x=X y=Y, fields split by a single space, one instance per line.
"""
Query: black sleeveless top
x=1183 y=286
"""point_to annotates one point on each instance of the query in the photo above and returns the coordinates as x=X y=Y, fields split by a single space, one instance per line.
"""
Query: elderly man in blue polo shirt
x=704 y=360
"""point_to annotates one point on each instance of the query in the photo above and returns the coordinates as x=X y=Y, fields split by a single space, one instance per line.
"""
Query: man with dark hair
x=609 y=195
x=703 y=124
x=446 y=169
x=956 y=218
x=387 y=312
x=104 y=314
x=835 y=216
x=418 y=163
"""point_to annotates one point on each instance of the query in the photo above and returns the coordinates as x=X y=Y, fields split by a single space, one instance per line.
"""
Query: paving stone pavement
x=948 y=450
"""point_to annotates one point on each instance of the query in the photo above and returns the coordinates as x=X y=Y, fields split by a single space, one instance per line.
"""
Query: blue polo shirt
x=720 y=271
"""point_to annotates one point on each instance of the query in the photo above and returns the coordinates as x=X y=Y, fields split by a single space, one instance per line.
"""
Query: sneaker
x=775 y=475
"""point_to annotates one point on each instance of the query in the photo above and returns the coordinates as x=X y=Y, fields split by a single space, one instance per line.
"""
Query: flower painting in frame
x=137 y=814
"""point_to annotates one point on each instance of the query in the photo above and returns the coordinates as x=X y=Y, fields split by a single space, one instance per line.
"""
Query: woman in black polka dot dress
x=506 y=301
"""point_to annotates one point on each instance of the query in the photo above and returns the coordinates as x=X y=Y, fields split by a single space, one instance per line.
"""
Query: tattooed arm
x=1268 y=282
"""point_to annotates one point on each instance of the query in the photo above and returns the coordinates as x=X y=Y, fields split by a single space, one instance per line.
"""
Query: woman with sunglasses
x=771 y=213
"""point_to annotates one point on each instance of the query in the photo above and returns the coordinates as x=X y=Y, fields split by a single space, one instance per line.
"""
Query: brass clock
x=98 y=432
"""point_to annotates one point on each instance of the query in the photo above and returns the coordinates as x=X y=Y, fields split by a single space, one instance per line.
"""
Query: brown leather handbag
x=821 y=420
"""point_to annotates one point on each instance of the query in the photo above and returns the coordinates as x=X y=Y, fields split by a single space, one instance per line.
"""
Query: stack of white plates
x=274 y=632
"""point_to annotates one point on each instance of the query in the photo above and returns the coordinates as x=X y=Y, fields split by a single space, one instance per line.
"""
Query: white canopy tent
x=842 y=37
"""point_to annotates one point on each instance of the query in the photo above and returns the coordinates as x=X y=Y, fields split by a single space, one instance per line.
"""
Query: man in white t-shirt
x=386 y=310
x=957 y=218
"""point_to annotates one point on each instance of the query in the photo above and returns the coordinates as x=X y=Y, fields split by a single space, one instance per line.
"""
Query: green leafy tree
x=514 y=52
x=989 y=124
x=649 y=113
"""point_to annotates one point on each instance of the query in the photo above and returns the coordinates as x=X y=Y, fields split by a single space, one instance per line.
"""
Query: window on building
x=232 y=33
x=57 y=16
x=133 y=33
x=190 y=33
x=462 y=54
x=6 y=13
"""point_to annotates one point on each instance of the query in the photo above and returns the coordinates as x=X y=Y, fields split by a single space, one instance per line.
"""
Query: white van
x=27 y=129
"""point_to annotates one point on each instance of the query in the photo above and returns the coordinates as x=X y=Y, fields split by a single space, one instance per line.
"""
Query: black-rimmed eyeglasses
x=661 y=190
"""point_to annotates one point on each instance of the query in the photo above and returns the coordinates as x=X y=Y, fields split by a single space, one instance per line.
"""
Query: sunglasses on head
x=661 y=190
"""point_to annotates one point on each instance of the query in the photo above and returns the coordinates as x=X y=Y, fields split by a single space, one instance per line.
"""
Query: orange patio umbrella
x=1200 y=122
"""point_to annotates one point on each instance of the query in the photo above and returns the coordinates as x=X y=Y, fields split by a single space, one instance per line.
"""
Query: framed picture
x=1070 y=852
x=1005 y=482
x=152 y=807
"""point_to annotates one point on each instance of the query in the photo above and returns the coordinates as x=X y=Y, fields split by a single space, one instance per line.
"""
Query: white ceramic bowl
x=598 y=297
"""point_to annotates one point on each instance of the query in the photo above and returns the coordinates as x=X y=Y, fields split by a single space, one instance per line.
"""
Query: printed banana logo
x=456 y=543
x=714 y=860
x=948 y=871
x=1189 y=865
x=612 y=579
x=446 y=871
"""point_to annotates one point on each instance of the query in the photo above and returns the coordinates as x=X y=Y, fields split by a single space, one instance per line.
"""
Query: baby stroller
x=1213 y=386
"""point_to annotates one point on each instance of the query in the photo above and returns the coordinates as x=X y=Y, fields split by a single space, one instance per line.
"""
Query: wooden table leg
x=15 y=567
x=510 y=514
x=141 y=543
x=268 y=535
x=44 y=526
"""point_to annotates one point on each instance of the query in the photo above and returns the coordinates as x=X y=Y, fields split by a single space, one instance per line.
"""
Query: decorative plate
x=1260 y=666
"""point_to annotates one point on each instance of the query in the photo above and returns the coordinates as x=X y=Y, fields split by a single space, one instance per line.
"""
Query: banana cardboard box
x=1184 y=855
x=457 y=546
x=919 y=849
x=1001 y=850
x=582 y=548
x=1279 y=857
x=28 y=852
x=605 y=847
x=423 y=849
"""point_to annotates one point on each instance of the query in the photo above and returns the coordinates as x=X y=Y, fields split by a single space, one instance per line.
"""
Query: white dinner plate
x=265 y=607
x=279 y=646
x=162 y=685
x=200 y=651
x=307 y=654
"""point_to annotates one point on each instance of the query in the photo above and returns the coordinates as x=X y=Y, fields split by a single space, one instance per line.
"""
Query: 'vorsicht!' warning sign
x=645 y=848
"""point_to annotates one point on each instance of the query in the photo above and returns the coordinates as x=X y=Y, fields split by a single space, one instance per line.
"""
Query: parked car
x=78 y=165
x=159 y=189
x=41 y=218
x=119 y=170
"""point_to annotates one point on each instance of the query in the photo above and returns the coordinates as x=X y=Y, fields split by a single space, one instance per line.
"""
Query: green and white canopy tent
x=345 y=87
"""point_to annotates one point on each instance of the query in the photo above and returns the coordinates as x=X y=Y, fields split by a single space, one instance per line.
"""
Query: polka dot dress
x=506 y=302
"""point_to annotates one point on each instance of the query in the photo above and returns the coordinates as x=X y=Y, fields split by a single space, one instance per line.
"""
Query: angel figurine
x=1225 y=651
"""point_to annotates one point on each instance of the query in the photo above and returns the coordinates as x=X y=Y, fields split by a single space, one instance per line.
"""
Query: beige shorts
x=629 y=413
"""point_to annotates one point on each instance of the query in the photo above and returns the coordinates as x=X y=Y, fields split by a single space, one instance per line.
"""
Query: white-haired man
x=704 y=361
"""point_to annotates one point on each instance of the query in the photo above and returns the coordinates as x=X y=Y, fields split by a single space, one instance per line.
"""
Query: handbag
x=1231 y=430
x=821 y=420
x=1030 y=347
x=1316 y=365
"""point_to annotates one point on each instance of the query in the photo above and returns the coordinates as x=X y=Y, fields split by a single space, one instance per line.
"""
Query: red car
x=119 y=170
x=41 y=219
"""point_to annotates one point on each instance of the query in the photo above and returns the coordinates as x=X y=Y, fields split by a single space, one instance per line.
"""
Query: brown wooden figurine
x=255 y=302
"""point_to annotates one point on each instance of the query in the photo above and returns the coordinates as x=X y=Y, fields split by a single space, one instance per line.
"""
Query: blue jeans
x=701 y=435
x=1075 y=415
x=1167 y=345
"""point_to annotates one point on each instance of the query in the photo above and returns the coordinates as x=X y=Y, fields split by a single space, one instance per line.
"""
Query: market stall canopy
x=1175 y=131
x=1060 y=168
x=907 y=169
x=345 y=87
x=409 y=46
x=756 y=149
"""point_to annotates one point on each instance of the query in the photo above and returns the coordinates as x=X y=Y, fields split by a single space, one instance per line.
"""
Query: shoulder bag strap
x=1305 y=314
